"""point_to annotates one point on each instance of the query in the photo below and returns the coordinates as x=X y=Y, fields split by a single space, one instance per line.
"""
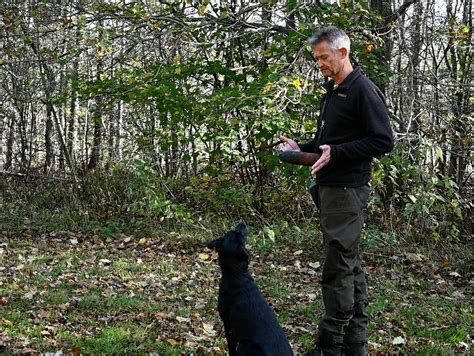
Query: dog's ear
x=242 y=231
x=215 y=244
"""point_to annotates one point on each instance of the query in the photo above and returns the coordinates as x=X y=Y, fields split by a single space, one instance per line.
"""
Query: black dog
x=250 y=326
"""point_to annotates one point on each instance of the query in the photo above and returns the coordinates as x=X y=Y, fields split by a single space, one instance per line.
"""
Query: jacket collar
x=346 y=83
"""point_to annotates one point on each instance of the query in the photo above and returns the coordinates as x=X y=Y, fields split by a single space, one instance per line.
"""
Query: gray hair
x=335 y=37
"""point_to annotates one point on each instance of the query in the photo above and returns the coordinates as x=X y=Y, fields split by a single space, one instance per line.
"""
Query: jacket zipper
x=323 y=114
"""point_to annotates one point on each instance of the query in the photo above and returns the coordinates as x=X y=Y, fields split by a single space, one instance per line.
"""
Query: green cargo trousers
x=343 y=281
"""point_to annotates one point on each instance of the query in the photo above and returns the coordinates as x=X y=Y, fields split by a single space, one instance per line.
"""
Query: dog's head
x=232 y=244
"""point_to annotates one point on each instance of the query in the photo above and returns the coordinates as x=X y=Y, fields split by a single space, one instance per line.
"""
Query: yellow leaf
x=297 y=84
x=369 y=47
x=5 y=322
x=101 y=52
x=173 y=342
x=464 y=31
x=203 y=256
x=203 y=10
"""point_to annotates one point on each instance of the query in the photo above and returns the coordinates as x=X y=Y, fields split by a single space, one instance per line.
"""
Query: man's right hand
x=290 y=145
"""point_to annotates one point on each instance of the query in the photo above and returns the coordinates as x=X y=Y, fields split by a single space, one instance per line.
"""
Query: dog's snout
x=214 y=243
x=241 y=228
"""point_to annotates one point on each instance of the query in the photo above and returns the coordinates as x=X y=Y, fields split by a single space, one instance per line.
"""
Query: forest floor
x=79 y=293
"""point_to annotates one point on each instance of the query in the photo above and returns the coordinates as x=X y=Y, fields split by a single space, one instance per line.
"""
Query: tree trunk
x=9 y=146
x=384 y=8
x=97 y=139
x=461 y=76
x=48 y=142
x=97 y=117
x=415 y=89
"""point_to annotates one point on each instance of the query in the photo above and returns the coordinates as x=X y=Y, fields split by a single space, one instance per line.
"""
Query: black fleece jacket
x=354 y=121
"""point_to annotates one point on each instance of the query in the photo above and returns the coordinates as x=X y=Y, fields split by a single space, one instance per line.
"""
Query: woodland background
x=169 y=108
x=132 y=117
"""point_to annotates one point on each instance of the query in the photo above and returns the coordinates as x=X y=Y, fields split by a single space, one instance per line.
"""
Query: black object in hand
x=298 y=157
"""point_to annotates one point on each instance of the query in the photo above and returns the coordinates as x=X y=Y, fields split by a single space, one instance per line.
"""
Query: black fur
x=251 y=327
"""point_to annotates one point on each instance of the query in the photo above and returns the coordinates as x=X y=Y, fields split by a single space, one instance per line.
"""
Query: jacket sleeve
x=378 y=138
x=309 y=146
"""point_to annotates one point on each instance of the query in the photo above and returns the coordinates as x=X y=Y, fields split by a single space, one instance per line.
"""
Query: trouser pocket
x=342 y=215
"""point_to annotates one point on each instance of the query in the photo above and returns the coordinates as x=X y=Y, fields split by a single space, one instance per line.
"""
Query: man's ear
x=344 y=52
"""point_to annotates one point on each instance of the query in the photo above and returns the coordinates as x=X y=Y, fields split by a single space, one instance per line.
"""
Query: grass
x=158 y=293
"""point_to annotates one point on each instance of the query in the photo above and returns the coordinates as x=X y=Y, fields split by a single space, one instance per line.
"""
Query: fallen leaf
x=199 y=306
x=208 y=329
x=458 y=295
x=160 y=315
x=29 y=296
x=399 y=341
x=203 y=256
x=414 y=257
x=5 y=322
x=183 y=320
x=43 y=314
x=297 y=253
x=374 y=344
x=173 y=342
x=463 y=347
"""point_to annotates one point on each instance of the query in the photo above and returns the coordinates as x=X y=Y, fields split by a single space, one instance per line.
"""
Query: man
x=353 y=127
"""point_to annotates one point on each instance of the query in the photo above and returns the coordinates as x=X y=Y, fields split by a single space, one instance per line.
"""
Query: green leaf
x=269 y=233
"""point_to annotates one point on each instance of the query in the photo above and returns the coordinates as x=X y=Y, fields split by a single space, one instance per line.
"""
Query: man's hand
x=290 y=145
x=323 y=160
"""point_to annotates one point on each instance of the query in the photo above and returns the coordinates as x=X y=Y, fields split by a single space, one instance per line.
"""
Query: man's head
x=331 y=47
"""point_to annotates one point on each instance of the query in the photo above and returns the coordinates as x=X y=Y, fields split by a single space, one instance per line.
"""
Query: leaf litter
x=60 y=291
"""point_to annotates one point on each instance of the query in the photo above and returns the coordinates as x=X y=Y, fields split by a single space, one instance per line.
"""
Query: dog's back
x=250 y=325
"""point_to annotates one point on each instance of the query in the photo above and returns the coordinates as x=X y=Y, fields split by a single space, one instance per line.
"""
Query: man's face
x=330 y=62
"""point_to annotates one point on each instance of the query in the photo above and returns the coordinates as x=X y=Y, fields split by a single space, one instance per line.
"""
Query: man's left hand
x=323 y=160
